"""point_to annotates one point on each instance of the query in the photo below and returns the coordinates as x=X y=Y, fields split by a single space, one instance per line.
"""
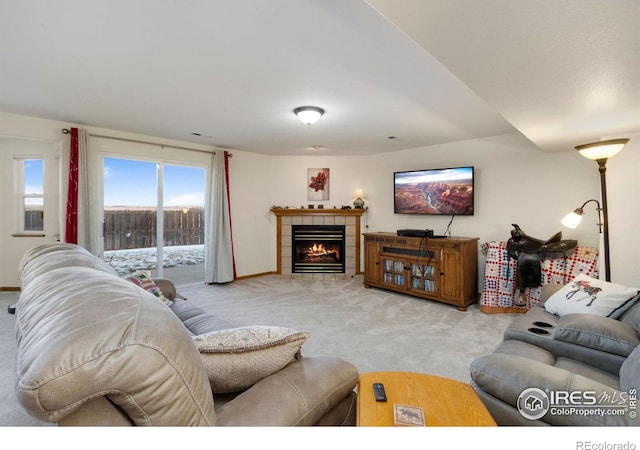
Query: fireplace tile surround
x=350 y=218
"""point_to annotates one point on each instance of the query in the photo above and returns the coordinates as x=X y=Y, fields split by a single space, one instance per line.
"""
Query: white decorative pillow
x=237 y=358
x=592 y=296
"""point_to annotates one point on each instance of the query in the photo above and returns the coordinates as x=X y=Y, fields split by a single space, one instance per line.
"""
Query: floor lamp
x=599 y=152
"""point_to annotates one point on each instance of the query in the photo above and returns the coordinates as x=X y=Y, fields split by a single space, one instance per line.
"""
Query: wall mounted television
x=434 y=191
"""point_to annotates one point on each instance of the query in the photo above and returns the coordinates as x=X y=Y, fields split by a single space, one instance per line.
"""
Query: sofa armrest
x=505 y=377
x=167 y=287
x=597 y=332
x=298 y=395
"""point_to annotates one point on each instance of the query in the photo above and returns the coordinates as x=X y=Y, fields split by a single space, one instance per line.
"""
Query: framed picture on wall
x=317 y=184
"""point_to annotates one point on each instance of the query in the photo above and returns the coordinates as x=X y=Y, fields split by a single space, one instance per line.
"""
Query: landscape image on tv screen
x=434 y=191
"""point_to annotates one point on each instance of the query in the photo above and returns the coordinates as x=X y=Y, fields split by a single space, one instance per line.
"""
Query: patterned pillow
x=143 y=279
x=592 y=296
x=237 y=358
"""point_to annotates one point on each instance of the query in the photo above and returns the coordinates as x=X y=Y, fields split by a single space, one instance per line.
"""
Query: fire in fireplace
x=317 y=248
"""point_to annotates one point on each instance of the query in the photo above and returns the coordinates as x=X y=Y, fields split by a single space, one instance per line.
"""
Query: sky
x=33 y=181
x=33 y=176
x=437 y=175
x=133 y=183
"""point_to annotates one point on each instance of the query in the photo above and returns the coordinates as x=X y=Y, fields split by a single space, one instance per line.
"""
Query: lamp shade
x=573 y=219
x=358 y=203
x=602 y=149
x=308 y=114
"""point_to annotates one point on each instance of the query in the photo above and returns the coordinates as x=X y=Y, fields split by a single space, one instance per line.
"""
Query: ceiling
x=391 y=74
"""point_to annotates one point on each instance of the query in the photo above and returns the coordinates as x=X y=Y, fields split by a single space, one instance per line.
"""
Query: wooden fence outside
x=136 y=228
x=33 y=220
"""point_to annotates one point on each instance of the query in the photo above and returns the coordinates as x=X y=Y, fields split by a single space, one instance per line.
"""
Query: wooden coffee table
x=445 y=402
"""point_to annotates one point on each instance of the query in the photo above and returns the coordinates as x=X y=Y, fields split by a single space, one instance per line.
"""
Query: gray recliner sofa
x=576 y=369
x=94 y=349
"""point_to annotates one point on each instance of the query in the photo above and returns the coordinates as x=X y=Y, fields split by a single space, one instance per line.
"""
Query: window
x=30 y=190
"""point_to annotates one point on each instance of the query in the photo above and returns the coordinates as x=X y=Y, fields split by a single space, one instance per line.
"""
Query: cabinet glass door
x=422 y=277
x=393 y=272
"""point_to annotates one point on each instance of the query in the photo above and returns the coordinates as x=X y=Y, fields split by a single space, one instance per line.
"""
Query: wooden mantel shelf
x=321 y=211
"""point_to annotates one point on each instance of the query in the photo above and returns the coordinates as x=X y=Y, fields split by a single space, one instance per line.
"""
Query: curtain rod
x=139 y=141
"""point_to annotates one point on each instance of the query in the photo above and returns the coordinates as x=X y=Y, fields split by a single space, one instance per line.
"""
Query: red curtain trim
x=71 y=230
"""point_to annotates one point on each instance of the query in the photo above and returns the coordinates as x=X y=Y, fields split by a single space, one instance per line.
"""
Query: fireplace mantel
x=351 y=218
x=325 y=212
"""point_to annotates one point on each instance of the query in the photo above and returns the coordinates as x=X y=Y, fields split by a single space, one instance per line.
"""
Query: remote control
x=378 y=392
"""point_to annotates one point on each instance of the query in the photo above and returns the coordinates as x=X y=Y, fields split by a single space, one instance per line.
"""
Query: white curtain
x=219 y=264
x=88 y=226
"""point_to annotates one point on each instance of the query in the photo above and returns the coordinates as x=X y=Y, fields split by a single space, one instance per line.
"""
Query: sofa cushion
x=632 y=316
x=599 y=333
x=505 y=375
x=196 y=320
x=630 y=372
x=589 y=295
x=239 y=357
x=42 y=261
x=43 y=249
x=142 y=278
x=537 y=317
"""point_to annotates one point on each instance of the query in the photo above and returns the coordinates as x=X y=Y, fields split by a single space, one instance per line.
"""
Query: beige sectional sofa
x=94 y=349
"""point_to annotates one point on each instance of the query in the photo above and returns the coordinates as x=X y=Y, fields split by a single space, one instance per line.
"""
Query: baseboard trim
x=9 y=288
x=256 y=275
x=503 y=309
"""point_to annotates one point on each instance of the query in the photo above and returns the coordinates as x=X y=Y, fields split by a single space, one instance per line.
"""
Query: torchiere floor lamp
x=600 y=152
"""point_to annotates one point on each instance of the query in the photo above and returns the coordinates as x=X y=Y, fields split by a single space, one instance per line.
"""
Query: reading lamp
x=358 y=203
x=599 y=152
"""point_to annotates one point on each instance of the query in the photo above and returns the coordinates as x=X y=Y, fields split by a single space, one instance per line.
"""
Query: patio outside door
x=136 y=236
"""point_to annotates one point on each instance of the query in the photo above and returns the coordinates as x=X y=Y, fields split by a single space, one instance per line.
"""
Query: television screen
x=434 y=191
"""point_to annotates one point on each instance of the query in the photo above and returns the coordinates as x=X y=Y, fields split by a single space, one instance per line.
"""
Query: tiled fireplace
x=313 y=219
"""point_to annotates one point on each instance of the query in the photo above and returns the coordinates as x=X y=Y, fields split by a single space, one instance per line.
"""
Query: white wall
x=24 y=135
x=250 y=197
x=515 y=183
x=12 y=240
x=623 y=194
x=259 y=182
x=44 y=137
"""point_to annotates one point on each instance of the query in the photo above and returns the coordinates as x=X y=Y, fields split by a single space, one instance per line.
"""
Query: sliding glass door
x=183 y=227
x=154 y=218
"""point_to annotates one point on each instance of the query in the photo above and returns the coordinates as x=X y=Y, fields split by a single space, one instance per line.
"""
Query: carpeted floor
x=374 y=329
x=10 y=412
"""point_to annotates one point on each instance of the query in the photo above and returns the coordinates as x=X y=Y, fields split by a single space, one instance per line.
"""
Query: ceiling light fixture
x=308 y=114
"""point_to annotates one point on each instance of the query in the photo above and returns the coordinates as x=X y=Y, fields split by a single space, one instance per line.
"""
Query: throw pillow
x=592 y=296
x=237 y=358
x=143 y=279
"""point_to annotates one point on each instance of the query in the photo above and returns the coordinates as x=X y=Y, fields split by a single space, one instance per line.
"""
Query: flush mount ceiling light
x=308 y=114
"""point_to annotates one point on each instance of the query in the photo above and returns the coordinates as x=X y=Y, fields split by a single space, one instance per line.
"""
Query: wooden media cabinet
x=440 y=269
